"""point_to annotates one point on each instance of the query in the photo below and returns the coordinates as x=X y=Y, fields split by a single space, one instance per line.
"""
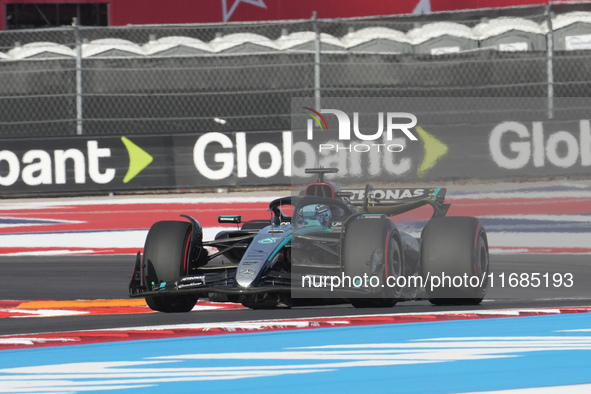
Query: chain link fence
x=241 y=76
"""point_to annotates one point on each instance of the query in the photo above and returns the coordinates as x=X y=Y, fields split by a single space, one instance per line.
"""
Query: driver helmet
x=315 y=212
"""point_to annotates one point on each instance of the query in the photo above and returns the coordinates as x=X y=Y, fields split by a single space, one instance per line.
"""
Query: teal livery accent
x=312 y=230
x=285 y=241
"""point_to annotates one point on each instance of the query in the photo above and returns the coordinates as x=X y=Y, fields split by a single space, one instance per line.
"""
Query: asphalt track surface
x=107 y=277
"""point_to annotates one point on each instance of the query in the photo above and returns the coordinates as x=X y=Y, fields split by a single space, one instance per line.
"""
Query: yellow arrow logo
x=138 y=159
x=434 y=150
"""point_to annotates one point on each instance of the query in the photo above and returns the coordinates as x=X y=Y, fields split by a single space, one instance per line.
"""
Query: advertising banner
x=85 y=164
x=109 y=164
x=415 y=139
x=232 y=159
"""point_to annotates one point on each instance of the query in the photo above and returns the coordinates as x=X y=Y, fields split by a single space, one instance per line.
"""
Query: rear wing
x=393 y=201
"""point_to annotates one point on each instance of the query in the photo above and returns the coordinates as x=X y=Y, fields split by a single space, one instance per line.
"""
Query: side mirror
x=236 y=219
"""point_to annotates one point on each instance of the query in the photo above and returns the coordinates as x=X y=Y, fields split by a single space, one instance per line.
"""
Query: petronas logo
x=138 y=159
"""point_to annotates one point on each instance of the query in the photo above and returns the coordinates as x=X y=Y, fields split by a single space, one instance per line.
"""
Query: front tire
x=165 y=259
x=453 y=247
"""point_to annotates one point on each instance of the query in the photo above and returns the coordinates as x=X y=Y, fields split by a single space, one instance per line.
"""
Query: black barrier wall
x=507 y=149
x=110 y=164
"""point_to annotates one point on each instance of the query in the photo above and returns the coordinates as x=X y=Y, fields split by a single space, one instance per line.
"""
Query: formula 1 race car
x=325 y=245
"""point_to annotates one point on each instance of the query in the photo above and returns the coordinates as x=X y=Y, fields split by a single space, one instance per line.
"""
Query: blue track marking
x=539 y=190
x=537 y=225
x=522 y=225
x=9 y=221
x=438 y=357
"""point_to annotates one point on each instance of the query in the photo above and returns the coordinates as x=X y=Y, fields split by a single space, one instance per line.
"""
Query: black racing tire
x=363 y=237
x=165 y=259
x=455 y=247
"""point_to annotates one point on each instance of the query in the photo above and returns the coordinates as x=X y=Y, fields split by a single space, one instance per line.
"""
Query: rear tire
x=455 y=247
x=165 y=258
x=378 y=239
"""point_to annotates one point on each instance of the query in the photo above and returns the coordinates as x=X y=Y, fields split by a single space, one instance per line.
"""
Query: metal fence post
x=317 y=92
x=79 y=119
x=550 y=65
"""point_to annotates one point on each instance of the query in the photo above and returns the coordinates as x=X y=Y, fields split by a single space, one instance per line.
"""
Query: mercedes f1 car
x=325 y=245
